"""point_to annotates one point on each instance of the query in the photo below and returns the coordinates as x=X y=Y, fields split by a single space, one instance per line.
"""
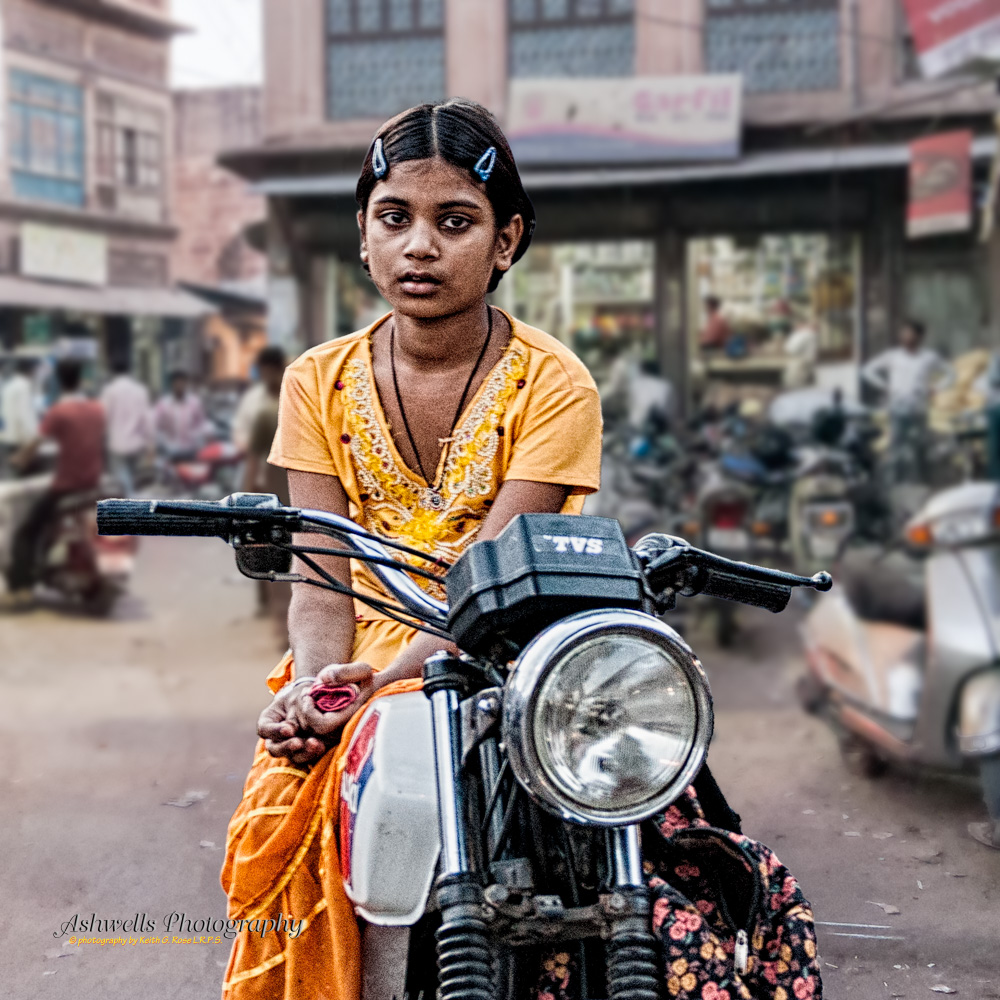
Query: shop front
x=805 y=249
x=82 y=294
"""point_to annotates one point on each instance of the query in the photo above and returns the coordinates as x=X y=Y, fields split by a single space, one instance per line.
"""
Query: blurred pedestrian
x=908 y=375
x=256 y=396
x=179 y=419
x=260 y=477
x=77 y=424
x=129 y=414
x=19 y=424
x=716 y=332
x=802 y=352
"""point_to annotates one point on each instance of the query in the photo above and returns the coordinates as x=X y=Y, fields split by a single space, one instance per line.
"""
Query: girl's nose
x=423 y=240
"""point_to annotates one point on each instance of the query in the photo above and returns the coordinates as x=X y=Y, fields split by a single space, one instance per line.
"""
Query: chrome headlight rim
x=525 y=683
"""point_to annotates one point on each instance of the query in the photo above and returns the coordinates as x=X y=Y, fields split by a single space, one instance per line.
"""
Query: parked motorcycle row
x=901 y=655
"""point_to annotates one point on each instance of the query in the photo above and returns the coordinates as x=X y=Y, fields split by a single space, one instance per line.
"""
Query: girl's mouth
x=419 y=283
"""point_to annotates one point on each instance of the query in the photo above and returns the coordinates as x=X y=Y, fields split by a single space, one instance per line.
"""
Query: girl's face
x=431 y=241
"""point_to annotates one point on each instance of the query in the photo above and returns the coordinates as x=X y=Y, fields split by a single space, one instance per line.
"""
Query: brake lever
x=675 y=568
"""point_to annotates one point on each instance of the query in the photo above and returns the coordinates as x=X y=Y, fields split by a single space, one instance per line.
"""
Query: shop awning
x=767 y=164
x=23 y=293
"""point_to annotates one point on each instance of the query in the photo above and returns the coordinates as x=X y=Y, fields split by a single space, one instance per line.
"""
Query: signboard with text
x=625 y=119
x=63 y=254
x=940 y=185
x=948 y=34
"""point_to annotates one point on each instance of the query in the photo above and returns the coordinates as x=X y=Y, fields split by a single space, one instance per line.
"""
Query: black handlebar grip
x=769 y=596
x=140 y=517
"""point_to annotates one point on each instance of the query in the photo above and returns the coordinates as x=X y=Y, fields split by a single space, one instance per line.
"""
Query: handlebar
x=675 y=568
x=671 y=565
x=224 y=519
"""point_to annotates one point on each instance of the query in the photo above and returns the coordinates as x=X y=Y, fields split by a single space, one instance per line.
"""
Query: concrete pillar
x=668 y=37
x=671 y=320
x=476 y=52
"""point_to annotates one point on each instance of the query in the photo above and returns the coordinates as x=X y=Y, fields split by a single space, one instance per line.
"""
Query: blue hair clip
x=485 y=164
x=379 y=165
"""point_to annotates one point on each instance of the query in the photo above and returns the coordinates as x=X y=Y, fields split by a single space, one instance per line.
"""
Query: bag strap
x=717 y=810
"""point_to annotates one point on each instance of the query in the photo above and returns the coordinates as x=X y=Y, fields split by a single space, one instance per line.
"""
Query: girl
x=434 y=426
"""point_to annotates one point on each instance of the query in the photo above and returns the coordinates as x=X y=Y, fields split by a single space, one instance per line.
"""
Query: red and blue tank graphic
x=358 y=770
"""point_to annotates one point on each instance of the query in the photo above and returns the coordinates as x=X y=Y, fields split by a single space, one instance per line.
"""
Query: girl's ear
x=508 y=240
x=364 y=235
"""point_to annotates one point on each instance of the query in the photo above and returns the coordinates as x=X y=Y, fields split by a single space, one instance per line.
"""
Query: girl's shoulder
x=327 y=359
x=548 y=355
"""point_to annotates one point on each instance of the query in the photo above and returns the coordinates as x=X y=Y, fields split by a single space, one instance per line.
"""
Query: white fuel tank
x=389 y=837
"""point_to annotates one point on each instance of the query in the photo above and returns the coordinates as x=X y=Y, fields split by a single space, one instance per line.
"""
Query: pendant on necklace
x=433 y=499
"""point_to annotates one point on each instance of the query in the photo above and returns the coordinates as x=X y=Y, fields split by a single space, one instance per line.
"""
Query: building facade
x=87 y=223
x=806 y=225
x=216 y=214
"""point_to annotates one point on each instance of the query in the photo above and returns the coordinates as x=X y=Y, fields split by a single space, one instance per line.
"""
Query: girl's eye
x=456 y=223
x=394 y=218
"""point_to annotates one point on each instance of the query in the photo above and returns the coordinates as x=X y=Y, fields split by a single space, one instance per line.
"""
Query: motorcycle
x=90 y=570
x=500 y=807
x=902 y=658
x=212 y=470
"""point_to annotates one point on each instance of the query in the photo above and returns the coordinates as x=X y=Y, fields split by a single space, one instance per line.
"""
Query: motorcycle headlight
x=607 y=717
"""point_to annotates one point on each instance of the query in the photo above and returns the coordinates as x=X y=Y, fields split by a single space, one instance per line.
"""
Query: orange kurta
x=536 y=417
x=281 y=859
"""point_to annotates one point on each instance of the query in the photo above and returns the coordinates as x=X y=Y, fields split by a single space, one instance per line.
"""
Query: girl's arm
x=320 y=627
x=320 y=623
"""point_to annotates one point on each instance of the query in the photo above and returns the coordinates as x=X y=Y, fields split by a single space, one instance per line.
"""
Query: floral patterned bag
x=731 y=919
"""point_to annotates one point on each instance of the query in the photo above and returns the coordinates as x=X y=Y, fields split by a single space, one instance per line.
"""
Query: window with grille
x=129 y=157
x=129 y=144
x=46 y=139
x=572 y=38
x=777 y=45
x=383 y=56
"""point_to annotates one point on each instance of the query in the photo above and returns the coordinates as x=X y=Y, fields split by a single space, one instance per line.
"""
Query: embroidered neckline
x=459 y=431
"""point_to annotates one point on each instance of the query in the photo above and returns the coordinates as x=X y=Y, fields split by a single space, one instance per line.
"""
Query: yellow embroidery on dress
x=441 y=523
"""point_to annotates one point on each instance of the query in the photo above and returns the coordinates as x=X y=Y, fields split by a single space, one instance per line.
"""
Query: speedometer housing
x=607 y=717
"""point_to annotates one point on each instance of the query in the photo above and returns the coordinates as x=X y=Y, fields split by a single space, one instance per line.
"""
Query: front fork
x=464 y=947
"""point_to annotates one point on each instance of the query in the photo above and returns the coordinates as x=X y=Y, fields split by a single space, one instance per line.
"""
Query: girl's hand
x=280 y=728
x=327 y=725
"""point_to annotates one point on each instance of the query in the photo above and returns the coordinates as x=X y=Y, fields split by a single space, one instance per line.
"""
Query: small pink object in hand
x=334 y=699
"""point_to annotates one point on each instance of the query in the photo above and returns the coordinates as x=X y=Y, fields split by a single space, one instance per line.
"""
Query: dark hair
x=178 y=373
x=69 y=373
x=917 y=326
x=25 y=366
x=121 y=366
x=271 y=356
x=459 y=132
x=713 y=302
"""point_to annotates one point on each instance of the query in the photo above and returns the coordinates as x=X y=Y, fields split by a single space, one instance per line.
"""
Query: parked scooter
x=903 y=655
x=75 y=562
x=500 y=808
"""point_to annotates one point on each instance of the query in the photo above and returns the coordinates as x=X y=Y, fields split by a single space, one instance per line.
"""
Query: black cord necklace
x=446 y=442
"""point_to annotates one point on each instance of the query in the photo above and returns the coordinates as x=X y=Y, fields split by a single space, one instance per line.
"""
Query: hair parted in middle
x=464 y=134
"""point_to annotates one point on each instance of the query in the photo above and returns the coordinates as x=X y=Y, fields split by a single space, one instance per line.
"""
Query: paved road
x=854 y=843
x=106 y=721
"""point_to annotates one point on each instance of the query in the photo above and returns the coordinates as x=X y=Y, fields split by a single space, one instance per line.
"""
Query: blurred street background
x=769 y=227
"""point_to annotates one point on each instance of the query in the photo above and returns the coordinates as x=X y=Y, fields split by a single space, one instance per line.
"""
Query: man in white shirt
x=270 y=364
x=130 y=425
x=17 y=408
x=908 y=375
x=180 y=419
x=802 y=351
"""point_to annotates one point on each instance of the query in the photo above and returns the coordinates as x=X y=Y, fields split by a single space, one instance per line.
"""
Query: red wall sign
x=940 y=184
x=951 y=33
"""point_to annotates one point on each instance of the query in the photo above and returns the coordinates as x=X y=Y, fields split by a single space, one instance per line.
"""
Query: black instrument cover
x=542 y=567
